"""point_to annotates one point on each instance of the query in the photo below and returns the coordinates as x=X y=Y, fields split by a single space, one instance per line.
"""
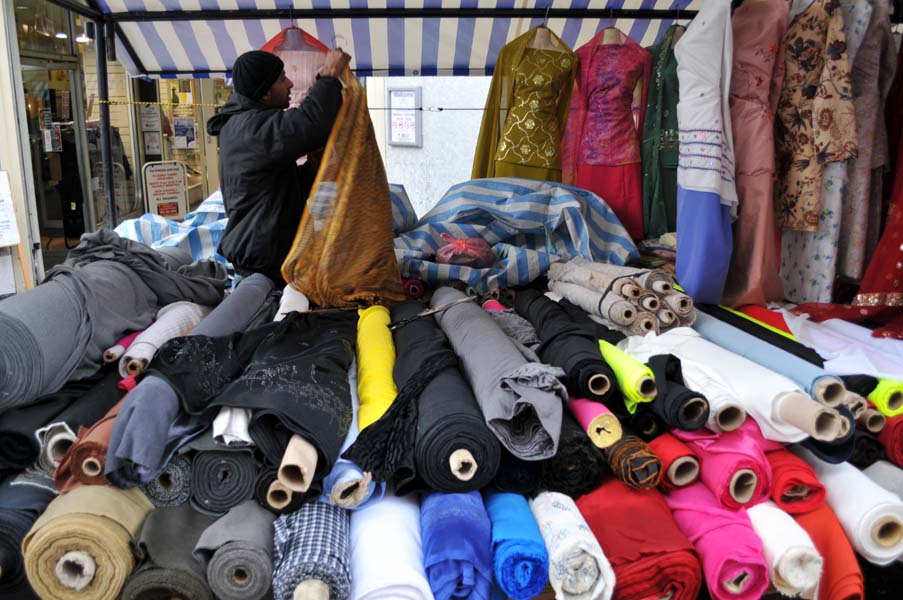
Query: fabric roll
x=732 y=553
x=650 y=556
x=299 y=462
x=173 y=320
x=517 y=476
x=579 y=569
x=387 y=551
x=887 y=475
x=891 y=437
x=172 y=487
x=262 y=484
x=646 y=322
x=888 y=397
x=567 y=345
x=98 y=523
x=870 y=420
x=230 y=427
x=861 y=384
x=115 y=352
x=815 y=381
x=457 y=545
x=840 y=449
x=882 y=583
x=236 y=553
x=413 y=289
x=674 y=404
x=222 y=479
x=645 y=424
x=515 y=327
x=493 y=305
x=655 y=280
x=635 y=379
x=520 y=559
x=794 y=565
x=581 y=272
x=634 y=463
x=680 y=467
x=733 y=465
x=521 y=402
x=597 y=420
x=164 y=550
x=578 y=467
x=867 y=450
x=83 y=463
x=871 y=516
x=612 y=308
x=794 y=487
x=375 y=361
x=21 y=502
x=291 y=301
x=310 y=545
x=841 y=577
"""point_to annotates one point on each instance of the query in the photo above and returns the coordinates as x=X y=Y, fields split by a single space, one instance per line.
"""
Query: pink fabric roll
x=493 y=305
x=726 y=460
x=732 y=554
x=127 y=340
x=597 y=420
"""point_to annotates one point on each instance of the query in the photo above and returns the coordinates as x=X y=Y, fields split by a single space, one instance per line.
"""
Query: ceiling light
x=60 y=35
x=83 y=39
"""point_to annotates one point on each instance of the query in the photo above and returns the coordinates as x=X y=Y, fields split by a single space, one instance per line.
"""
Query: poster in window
x=152 y=143
x=185 y=132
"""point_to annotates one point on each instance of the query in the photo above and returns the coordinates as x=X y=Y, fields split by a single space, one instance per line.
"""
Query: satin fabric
x=520 y=559
x=668 y=448
x=375 y=360
x=630 y=372
x=891 y=437
x=794 y=486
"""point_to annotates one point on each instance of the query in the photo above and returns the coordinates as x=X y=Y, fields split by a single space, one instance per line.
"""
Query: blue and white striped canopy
x=205 y=46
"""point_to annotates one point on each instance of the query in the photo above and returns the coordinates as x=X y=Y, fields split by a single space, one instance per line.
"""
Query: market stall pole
x=104 y=30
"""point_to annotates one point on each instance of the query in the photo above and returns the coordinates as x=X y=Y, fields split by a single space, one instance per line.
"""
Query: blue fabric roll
x=704 y=244
x=520 y=558
x=808 y=376
x=457 y=552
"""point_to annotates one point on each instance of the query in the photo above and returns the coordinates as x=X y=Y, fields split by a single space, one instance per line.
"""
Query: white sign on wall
x=9 y=231
x=166 y=188
x=150 y=118
x=405 y=117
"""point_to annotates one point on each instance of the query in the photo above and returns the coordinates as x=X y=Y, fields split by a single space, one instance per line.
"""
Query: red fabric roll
x=794 y=486
x=668 y=449
x=767 y=316
x=841 y=577
x=891 y=437
x=650 y=556
x=91 y=444
x=413 y=288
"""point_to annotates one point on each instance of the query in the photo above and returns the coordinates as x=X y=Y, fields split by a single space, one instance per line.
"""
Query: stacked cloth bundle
x=634 y=301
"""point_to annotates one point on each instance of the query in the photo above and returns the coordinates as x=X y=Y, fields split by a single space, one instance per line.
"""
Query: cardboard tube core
x=796 y=493
x=738 y=583
x=683 y=471
x=730 y=417
x=165 y=481
x=60 y=446
x=312 y=589
x=605 y=430
x=856 y=403
x=240 y=576
x=135 y=366
x=693 y=409
x=887 y=532
x=599 y=384
x=872 y=420
x=647 y=387
x=895 y=401
x=91 y=467
x=814 y=418
x=629 y=290
x=743 y=485
x=650 y=303
x=463 y=464
x=278 y=496
x=830 y=392
x=298 y=464
x=75 y=570
x=350 y=494
x=844 y=429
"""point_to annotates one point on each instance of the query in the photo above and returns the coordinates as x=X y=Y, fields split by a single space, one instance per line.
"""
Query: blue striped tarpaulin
x=530 y=224
x=379 y=46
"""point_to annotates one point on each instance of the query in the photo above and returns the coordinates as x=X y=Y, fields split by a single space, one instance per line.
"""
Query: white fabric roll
x=173 y=320
x=794 y=565
x=578 y=569
x=53 y=435
x=292 y=300
x=386 y=551
x=723 y=376
x=230 y=427
x=871 y=516
x=887 y=475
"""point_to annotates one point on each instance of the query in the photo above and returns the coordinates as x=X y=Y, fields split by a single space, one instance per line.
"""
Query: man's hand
x=336 y=61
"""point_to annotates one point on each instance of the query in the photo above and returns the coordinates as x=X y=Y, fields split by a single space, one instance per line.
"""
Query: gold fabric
x=97 y=520
x=343 y=254
x=526 y=111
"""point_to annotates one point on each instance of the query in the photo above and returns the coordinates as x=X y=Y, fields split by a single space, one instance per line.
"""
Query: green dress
x=659 y=146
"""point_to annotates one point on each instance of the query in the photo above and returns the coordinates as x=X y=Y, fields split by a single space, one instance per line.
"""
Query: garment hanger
x=542 y=36
x=679 y=30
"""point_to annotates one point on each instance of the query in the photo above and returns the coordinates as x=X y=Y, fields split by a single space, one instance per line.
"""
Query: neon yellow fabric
x=881 y=396
x=375 y=362
x=629 y=372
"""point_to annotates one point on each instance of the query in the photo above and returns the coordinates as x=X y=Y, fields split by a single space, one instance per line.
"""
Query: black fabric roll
x=867 y=450
x=448 y=416
x=265 y=478
x=763 y=333
x=581 y=318
x=21 y=503
x=839 y=450
x=517 y=476
x=579 y=466
x=644 y=424
x=568 y=345
x=294 y=371
x=166 y=566
x=19 y=447
x=222 y=479
x=860 y=384
x=634 y=463
x=673 y=397
x=172 y=487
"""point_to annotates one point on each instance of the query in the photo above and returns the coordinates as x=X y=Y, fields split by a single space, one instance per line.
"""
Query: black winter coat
x=264 y=190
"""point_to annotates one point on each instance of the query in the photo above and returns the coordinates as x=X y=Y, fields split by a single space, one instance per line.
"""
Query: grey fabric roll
x=521 y=401
x=515 y=326
x=172 y=487
x=251 y=303
x=237 y=553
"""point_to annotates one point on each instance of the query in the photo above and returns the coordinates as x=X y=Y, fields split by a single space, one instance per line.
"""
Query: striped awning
x=202 y=38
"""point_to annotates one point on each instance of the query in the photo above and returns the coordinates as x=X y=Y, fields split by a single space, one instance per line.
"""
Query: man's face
x=279 y=94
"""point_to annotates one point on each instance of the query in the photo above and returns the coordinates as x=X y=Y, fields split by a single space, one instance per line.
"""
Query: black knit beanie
x=255 y=72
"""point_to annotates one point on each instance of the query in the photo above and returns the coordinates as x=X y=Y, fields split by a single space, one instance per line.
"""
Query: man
x=260 y=143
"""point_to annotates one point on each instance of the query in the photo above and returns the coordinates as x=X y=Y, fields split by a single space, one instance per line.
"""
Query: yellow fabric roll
x=96 y=522
x=375 y=362
x=634 y=378
x=888 y=393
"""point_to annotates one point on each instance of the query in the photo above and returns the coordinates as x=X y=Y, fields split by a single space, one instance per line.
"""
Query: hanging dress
x=706 y=193
x=601 y=150
x=816 y=134
x=525 y=112
x=659 y=145
x=758 y=27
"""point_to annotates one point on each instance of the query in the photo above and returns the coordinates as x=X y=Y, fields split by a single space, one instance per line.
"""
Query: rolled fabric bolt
x=634 y=463
x=292 y=301
x=610 y=307
x=681 y=304
x=794 y=564
x=872 y=420
x=375 y=361
x=462 y=464
x=92 y=467
x=729 y=417
x=58 y=444
x=649 y=302
x=887 y=475
x=115 y=352
x=278 y=496
x=493 y=304
x=173 y=320
x=299 y=463
x=350 y=494
x=820 y=422
x=655 y=280
x=680 y=466
x=413 y=289
x=856 y=403
x=666 y=317
x=75 y=570
x=795 y=488
x=888 y=397
x=600 y=424
x=634 y=378
x=646 y=322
